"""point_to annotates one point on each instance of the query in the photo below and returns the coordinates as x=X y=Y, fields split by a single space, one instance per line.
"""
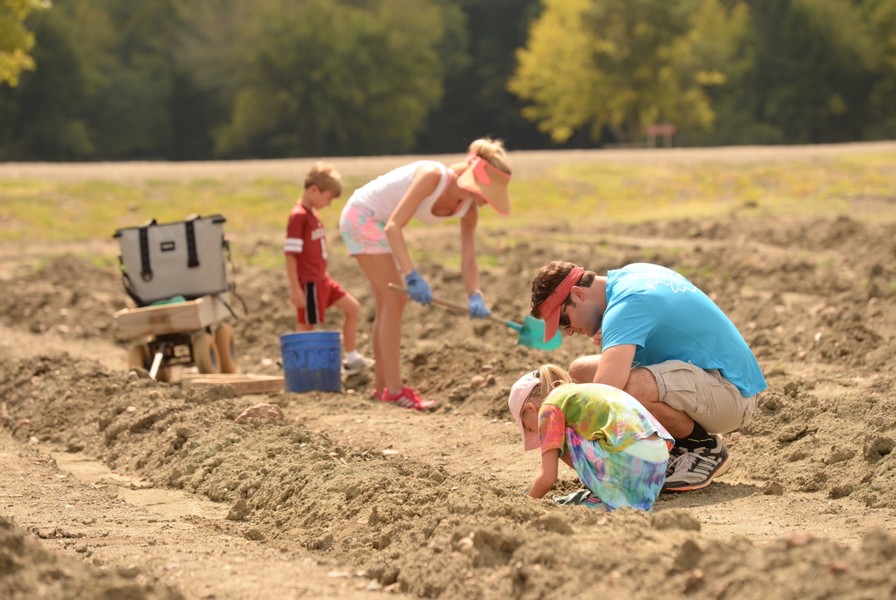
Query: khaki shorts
x=705 y=396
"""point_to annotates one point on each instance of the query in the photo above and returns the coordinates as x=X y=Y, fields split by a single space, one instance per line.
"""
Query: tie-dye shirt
x=597 y=412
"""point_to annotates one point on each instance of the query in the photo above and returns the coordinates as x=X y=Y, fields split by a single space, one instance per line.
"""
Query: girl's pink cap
x=518 y=394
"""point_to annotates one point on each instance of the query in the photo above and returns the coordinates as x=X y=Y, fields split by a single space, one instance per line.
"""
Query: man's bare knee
x=642 y=386
x=584 y=368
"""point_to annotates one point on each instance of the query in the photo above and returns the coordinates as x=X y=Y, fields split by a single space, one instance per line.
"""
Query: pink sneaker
x=378 y=394
x=408 y=398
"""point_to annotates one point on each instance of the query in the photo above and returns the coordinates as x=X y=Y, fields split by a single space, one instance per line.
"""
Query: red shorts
x=319 y=296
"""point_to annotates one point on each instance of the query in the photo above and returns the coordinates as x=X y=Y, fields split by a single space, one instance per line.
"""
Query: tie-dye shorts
x=633 y=477
x=362 y=232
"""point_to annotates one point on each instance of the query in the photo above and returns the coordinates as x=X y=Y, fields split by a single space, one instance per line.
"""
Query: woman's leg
x=380 y=271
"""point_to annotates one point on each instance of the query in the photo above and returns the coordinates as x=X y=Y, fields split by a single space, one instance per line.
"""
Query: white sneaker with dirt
x=674 y=454
x=359 y=365
x=695 y=469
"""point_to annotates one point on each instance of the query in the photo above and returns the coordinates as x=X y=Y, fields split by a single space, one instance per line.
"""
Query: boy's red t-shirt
x=306 y=237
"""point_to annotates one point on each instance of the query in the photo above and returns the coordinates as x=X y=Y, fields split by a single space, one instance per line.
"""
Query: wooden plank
x=242 y=384
x=183 y=317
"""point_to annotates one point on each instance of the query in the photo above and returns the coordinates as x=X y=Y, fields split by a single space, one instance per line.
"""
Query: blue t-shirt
x=667 y=317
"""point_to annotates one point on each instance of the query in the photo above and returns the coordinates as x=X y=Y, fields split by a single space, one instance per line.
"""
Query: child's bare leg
x=299 y=325
x=380 y=271
x=351 y=309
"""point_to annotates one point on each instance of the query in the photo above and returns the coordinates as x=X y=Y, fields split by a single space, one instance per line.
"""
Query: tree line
x=230 y=79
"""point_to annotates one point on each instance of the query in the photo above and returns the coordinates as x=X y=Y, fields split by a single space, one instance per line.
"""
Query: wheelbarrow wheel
x=139 y=357
x=205 y=354
x=226 y=347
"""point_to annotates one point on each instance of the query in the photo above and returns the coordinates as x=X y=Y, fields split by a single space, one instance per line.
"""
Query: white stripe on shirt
x=293 y=245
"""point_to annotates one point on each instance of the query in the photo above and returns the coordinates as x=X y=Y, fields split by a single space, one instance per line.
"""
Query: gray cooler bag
x=163 y=260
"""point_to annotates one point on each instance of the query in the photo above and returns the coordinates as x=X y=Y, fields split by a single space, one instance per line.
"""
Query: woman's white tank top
x=381 y=195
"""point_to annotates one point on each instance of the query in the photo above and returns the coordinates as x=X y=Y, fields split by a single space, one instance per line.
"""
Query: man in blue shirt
x=666 y=343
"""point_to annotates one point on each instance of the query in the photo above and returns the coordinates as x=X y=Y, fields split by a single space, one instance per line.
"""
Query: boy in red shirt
x=311 y=290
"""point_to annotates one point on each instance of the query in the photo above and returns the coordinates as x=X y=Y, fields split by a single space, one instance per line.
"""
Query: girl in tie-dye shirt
x=617 y=448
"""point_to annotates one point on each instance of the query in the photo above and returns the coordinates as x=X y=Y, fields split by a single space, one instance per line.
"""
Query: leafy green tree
x=481 y=37
x=180 y=79
x=606 y=64
x=16 y=41
x=211 y=44
x=555 y=72
x=880 y=16
x=106 y=95
x=334 y=77
x=813 y=71
x=45 y=116
x=714 y=54
x=132 y=118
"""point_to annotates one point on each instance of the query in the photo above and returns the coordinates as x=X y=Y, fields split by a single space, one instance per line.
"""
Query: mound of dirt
x=28 y=570
x=395 y=517
x=67 y=295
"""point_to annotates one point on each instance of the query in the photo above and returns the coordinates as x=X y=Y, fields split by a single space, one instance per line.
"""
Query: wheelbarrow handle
x=459 y=307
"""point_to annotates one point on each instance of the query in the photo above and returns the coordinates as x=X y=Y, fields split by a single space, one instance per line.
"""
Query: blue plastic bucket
x=311 y=361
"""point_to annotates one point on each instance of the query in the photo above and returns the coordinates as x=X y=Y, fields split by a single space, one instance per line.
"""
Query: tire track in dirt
x=151 y=537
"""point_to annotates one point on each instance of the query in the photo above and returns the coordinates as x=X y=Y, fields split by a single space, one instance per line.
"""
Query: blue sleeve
x=626 y=321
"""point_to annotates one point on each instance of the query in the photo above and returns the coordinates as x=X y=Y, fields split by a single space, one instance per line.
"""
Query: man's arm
x=615 y=366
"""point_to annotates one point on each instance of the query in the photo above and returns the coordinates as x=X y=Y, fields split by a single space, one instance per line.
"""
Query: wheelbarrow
x=192 y=332
x=531 y=330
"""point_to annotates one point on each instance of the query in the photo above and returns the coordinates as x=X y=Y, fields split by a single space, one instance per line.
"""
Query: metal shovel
x=531 y=331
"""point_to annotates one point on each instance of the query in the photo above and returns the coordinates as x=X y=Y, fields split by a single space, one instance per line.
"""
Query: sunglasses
x=564 y=318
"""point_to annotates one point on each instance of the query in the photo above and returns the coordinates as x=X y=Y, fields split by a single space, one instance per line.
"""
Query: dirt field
x=116 y=486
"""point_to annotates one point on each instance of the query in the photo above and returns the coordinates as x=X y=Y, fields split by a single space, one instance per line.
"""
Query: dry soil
x=116 y=486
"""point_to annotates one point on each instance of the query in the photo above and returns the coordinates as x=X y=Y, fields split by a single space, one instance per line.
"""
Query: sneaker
x=407 y=398
x=674 y=454
x=378 y=394
x=359 y=365
x=582 y=497
x=695 y=469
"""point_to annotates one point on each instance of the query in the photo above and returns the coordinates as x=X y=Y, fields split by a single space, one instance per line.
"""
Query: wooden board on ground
x=182 y=317
x=241 y=383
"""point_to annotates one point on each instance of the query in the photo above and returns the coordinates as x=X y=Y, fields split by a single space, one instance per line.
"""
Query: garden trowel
x=531 y=331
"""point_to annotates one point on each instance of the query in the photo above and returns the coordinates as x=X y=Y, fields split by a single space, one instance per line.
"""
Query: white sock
x=351 y=356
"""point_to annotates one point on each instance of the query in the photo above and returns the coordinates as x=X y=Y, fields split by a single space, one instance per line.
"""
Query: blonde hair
x=551 y=377
x=492 y=150
x=325 y=177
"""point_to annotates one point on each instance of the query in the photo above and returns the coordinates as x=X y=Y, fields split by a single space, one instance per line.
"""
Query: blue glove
x=418 y=289
x=477 y=307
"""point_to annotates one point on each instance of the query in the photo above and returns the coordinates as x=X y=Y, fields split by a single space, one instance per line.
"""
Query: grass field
x=594 y=187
